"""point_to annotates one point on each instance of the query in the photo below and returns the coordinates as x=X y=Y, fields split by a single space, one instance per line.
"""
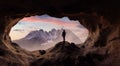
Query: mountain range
x=40 y=39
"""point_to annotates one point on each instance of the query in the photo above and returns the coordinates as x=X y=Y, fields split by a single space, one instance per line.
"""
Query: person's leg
x=63 y=38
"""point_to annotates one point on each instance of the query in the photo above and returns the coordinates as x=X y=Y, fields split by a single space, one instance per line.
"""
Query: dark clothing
x=63 y=35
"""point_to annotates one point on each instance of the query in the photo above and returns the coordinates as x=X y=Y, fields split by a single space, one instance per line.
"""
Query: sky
x=47 y=23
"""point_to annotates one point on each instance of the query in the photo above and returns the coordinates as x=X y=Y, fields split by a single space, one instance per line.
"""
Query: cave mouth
x=43 y=32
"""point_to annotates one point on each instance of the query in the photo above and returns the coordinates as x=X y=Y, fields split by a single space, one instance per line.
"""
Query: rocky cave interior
x=101 y=18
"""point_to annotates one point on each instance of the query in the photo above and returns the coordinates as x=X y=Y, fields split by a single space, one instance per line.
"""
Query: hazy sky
x=46 y=22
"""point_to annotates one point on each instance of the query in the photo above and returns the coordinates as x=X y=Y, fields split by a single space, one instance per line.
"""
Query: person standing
x=63 y=35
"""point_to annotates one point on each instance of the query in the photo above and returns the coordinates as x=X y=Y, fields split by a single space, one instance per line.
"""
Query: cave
x=101 y=18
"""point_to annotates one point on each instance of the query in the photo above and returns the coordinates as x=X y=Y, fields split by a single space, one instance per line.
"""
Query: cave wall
x=101 y=18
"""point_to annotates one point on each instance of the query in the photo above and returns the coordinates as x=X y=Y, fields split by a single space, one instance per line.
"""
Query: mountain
x=62 y=54
x=41 y=39
x=41 y=35
x=70 y=36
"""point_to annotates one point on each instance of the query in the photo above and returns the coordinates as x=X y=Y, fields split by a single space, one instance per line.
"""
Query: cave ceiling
x=58 y=7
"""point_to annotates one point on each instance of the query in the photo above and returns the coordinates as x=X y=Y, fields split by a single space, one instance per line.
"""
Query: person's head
x=63 y=29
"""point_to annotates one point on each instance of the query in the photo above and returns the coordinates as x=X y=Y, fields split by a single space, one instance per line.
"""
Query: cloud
x=18 y=30
x=65 y=21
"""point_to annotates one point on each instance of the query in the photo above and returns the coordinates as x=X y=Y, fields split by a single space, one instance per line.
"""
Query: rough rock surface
x=99 y=16
x=63 y=54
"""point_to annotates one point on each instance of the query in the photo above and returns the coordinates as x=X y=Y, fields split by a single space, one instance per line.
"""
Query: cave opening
x=43 y=32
